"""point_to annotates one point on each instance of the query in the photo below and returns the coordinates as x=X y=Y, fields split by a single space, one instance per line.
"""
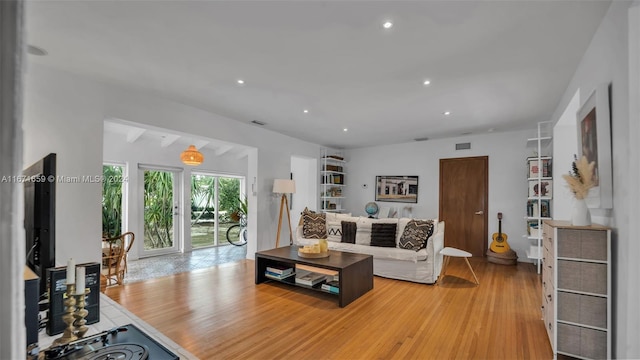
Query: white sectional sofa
x=422 y=266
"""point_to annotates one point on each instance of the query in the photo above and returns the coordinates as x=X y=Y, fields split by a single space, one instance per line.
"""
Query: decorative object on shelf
x=580 y=215
x=407 y=211
x=534 y=168
x=397 y=189
x=68 y=317
x=542 y=188
x=371 y=209
x=580 y=181
x=192 y=156
x=318 y=250
x=284 y=187
x=81 y=313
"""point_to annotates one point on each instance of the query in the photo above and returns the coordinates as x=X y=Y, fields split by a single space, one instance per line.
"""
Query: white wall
x=629 y=332
x=565 y=141
x=64 y=113
x=305 y=174
x=507 y=154
x=606 y=61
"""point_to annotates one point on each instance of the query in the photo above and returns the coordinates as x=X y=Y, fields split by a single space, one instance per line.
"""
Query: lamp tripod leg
x=286 y=202
x=282 y=200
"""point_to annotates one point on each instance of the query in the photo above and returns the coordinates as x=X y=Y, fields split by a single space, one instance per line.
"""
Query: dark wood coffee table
x=355 y=270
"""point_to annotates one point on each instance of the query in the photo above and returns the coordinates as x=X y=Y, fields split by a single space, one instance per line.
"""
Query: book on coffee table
x=309 y=278
x=276 y=276
x=280 y=269
x=331 y=286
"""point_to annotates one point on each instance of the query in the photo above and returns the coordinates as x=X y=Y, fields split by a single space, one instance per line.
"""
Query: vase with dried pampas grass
x=580 y=181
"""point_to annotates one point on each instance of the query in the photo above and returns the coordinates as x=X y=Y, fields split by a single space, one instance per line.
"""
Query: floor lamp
x=284 y=187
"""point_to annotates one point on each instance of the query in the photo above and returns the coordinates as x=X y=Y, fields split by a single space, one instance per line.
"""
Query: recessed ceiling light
x=240 y=82
x=387 y=24
x=305 y=111
x=446 y=113
x=427 y=82
x=345 y=129
x=34 y=50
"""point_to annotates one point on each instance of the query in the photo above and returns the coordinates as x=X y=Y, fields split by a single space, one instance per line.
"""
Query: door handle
x=479 y=212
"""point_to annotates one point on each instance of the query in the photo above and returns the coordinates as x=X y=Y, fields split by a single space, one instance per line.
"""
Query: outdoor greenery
x=158 y=209
x=111 y=201
x=158 y=206
x=203 y=199
x=229 y=195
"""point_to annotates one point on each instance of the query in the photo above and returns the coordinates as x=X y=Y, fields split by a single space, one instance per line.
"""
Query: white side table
x=450 y=252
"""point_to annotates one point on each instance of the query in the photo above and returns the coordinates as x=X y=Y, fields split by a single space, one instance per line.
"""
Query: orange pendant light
x=192 y=156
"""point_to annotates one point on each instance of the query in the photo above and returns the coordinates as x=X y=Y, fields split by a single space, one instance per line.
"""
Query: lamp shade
x=192 y=156
x=284 y=186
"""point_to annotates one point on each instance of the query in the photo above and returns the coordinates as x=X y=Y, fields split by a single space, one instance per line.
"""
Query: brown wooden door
x=463 y=203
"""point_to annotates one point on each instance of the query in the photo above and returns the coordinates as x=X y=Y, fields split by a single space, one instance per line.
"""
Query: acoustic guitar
x=499 y=243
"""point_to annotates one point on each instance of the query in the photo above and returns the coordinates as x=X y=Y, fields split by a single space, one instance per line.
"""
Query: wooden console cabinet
x=576 y=289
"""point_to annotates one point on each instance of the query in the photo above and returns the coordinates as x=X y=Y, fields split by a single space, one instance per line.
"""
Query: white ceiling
x=496 y=65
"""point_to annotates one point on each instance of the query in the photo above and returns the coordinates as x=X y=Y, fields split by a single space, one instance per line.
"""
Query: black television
x=40 y=217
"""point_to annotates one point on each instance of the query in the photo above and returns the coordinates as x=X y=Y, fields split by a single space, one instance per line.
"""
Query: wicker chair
x=128 y=243
x=114 y=259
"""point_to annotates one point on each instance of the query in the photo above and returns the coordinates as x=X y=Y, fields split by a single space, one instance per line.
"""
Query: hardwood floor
x=220 y=313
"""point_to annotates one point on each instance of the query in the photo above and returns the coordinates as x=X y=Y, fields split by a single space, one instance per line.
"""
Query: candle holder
x=80 y=314
x=68 y=317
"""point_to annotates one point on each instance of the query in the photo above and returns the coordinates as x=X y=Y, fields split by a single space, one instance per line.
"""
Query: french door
x=162 y=209
x=214 y=201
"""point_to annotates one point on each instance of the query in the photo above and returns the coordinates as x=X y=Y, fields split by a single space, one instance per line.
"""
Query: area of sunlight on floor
x=159 y=266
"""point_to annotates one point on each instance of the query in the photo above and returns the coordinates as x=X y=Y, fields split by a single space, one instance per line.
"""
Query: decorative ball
x=371 y=208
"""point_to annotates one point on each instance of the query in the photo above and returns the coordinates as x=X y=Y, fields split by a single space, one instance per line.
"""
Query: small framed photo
x=534 y=168
x=543 y=188
x=545 y=209
x=534 y=210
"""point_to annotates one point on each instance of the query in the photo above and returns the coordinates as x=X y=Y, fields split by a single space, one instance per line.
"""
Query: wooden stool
x=449 y=252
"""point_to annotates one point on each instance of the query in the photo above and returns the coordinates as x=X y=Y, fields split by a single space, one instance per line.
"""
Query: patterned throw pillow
x=416 y=234
x=383 y=235
x=349 y=232
x=313 y=225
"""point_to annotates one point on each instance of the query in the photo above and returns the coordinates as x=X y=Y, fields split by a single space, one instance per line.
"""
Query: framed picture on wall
x=594 y=142
x=397 y=189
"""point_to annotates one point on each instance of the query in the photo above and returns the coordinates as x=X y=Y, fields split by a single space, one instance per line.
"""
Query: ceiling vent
x=421 y=139
x=257 y=122
x=463 y=146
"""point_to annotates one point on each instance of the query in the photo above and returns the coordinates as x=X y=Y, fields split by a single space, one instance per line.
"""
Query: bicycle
x=237 y=234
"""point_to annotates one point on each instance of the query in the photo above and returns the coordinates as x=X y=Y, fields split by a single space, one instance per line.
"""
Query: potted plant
x=580 y=181
x=240 y=209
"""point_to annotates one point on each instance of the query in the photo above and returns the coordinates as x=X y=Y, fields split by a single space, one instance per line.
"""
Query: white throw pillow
x=334 y=225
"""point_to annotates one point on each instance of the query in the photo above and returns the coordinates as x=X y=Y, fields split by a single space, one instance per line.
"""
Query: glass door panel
x=112 y=212
x=229 y=205
x=204 y=213
x=161 y=211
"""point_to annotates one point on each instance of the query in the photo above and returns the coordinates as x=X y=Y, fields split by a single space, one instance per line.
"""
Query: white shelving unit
x=332 y=181
x=539 y=189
